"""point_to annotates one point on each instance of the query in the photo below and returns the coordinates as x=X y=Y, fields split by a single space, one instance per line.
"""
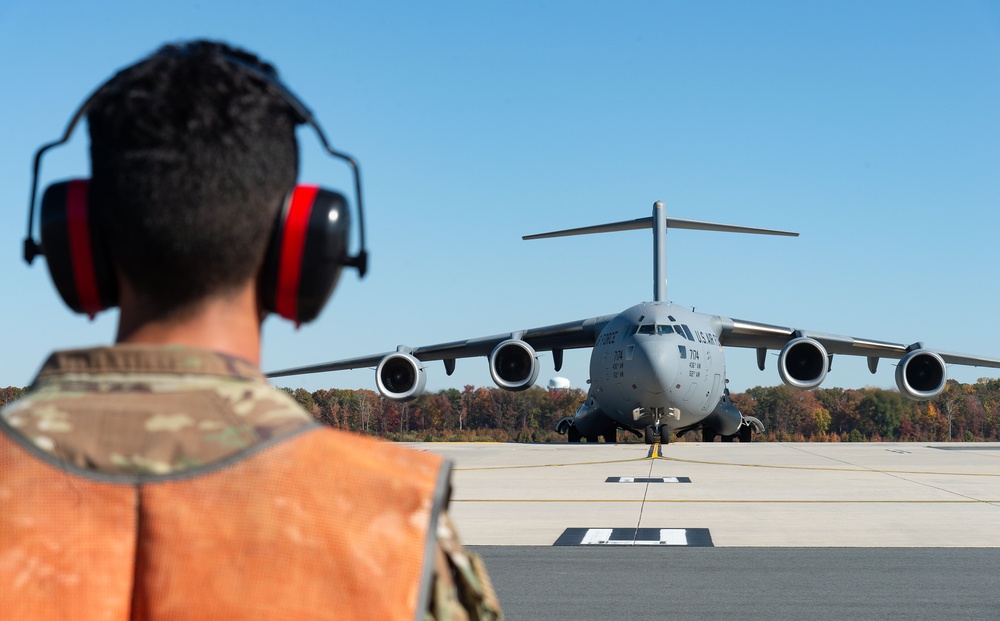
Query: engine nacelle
x=803 y=363
x=921 y=375
x=514 y=365
x=400 y=377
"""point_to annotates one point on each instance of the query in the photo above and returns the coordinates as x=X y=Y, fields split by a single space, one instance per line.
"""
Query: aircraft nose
x=656 y=363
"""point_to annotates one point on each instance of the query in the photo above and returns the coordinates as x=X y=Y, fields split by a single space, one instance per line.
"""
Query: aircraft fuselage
x=658 y=367
x=656 y=364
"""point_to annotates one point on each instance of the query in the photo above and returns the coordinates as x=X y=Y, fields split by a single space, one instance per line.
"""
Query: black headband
x=359 y=261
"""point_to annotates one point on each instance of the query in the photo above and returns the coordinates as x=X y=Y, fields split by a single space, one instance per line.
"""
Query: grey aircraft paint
x=657 y=368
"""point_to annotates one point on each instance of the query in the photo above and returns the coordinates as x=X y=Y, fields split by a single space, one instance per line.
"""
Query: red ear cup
x=306 y=254
x=305 y=257
x=74 y=252
x=307 y=251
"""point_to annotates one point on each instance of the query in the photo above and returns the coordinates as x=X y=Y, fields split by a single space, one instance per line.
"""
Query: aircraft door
x=716 y=380
x=712 y=398
x=688 y=371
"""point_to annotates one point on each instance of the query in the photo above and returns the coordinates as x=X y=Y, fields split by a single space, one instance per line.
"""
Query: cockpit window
x=659 y=330
x=687 y=332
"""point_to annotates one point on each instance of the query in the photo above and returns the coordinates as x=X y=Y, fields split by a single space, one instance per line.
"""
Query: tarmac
x=756 y=532
x=737 y=495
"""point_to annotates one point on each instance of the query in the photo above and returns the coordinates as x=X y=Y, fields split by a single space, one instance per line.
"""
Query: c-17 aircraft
x=657 y=368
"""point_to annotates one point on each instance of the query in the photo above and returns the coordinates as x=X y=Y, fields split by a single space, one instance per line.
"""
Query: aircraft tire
x=573 y=434
x=708 y=434
x=728 y=438
x=664 y=435
x=746 y=434
x=611 y=435
x=591 y=439
x=648 y=435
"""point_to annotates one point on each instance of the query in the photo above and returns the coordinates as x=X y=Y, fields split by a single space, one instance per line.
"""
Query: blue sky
x=872 y=128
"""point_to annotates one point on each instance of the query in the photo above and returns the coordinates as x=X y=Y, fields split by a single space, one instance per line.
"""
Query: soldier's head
x=192 y=154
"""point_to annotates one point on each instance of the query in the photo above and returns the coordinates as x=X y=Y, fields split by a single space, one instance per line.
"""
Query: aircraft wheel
x=746 y=434
x=649 y=436
x=611 y=435
x=573 y=434
x=591 y=438
x=664 y=435
x=728 y=438
x=708 y=434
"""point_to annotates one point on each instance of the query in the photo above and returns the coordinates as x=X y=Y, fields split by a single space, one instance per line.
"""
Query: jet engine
x=514 y=365
x=921 y=375
x=803 y=363
x=400 y=377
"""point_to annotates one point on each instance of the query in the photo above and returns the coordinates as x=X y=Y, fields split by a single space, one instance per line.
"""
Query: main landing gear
x=573 y=434
x=745 y=433
x=709 y=435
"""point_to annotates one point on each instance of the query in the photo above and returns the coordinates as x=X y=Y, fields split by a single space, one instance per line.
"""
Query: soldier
x=163 y=477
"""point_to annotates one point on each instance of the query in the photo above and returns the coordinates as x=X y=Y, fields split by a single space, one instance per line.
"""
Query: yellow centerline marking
x=653 y=454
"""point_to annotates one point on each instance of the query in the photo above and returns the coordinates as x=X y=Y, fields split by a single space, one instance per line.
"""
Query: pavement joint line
x=853 y=466
x=574 y=463
x=967 y=501
x=830 y=469
x=896 y=475
x=653 y=451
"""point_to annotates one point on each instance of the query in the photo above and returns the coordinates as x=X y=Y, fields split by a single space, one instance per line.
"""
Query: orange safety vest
x=320 y=525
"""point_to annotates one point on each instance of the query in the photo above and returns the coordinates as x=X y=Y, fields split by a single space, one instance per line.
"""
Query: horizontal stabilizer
x=672 y=223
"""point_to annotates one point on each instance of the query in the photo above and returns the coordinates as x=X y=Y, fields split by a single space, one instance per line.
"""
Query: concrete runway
x=921 y=523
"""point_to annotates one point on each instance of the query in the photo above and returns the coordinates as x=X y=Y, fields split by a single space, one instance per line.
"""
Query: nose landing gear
x=659 y=431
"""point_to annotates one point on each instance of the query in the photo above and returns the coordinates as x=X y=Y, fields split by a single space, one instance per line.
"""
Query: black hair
x=192 y=153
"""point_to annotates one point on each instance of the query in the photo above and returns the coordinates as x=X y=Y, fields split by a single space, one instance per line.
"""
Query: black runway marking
x=684 y=537
x=648 y=480
x=971 y=447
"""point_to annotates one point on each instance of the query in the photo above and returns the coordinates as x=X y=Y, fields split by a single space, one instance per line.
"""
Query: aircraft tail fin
x=659 y=222
x=672 y=223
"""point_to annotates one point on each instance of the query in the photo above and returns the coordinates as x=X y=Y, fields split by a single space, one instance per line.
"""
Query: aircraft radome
x=657 y=368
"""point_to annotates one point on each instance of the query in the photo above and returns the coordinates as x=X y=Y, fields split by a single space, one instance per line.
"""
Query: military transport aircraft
x=657 y=368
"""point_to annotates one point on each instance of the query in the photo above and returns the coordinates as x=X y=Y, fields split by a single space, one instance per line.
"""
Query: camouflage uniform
x=166 y=410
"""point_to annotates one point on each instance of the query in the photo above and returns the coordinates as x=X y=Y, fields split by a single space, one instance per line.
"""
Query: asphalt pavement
x=763 y=531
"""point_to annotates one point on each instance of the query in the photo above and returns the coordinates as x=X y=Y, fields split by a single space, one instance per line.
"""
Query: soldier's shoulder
x=463 y=589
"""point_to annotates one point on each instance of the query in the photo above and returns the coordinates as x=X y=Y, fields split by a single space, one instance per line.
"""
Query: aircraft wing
x=557 y=337
x=762 y=336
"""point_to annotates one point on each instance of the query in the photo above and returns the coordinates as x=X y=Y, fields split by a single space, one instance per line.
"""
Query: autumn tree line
x=962 y=413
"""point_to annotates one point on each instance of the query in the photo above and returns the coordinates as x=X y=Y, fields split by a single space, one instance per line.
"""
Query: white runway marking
x=648 y=480
x=758 y=494
x=635 y=537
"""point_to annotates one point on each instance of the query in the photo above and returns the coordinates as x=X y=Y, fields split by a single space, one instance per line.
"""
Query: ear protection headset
x=307 y=251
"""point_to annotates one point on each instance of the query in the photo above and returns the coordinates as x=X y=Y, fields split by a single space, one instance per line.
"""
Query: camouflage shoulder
x=161 y=424
x=462 y=587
